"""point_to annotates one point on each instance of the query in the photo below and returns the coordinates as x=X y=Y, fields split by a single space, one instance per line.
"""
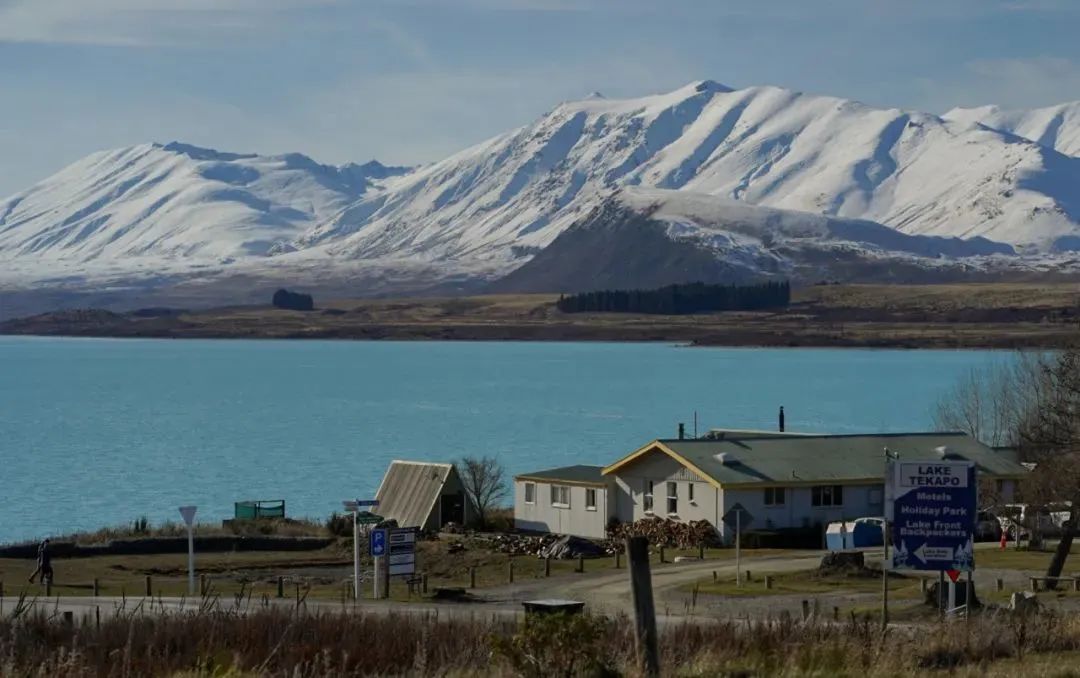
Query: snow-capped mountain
x=1056 y=127
x=766 y=180
x=767 y=146
x=177 y=201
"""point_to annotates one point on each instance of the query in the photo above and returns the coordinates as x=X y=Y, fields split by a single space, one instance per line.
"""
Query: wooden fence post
x=662 y=560
x=701 y=551
x=423 y=583
x=805 y=610
x=637 y=555
x=149 y=587
x=547 y=566
x=510 y=571
x=618 y=558
x=768 y=582
x=581 y=563
x=281 y=586
x=1000 y=584
x=97 y=588
x=472 y=577
x=48 y=586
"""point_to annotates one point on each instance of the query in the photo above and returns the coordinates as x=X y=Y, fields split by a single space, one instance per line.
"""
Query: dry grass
x=255 y=639
x=999 y=315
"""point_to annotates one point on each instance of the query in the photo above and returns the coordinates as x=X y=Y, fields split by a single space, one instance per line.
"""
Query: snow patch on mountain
x=1056 y=127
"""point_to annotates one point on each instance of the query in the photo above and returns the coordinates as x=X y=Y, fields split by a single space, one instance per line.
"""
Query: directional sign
x=188 y=514
x=744 y=520
x=402 y=551
x=377 y=542
x=367 y=518
x=932 y=507
x=367 y=502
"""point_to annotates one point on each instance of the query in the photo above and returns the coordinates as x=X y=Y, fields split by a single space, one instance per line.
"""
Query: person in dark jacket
x=44 y=562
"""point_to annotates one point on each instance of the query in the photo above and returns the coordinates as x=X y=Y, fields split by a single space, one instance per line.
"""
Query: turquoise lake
x=99 y=432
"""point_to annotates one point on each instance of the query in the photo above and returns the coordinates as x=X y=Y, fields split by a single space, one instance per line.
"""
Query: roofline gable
x=658 y=445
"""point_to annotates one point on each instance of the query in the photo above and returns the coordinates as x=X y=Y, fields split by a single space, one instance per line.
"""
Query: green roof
x=581 y=473
x=739 y=459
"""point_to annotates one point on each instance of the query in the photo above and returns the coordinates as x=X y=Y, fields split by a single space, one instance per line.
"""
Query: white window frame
x=672 y=504
x=590 y=493
x=647 y=497
x=827 y=492
x=690 y=493
x=771 y=502
x=530 y=490
x=558 y=493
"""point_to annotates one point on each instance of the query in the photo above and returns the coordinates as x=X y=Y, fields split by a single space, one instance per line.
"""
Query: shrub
x=293 y=301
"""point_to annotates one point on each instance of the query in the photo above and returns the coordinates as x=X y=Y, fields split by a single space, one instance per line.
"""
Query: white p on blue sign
x=931 y=506
x=377 y=542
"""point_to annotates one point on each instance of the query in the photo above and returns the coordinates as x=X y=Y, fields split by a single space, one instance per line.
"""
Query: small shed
x=425 y=495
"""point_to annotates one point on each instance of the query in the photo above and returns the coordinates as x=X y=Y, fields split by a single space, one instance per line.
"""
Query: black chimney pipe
x=682 y=431
x=781 y=418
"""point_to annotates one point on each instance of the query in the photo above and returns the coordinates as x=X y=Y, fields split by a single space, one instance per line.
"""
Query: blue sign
x=377 y=542
x=367 y=502
x=931 y=507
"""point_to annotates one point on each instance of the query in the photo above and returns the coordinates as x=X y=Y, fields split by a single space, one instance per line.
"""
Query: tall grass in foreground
x=279 y=642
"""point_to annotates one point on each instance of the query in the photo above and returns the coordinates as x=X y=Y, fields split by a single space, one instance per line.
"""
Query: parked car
x=1020 y=519
x=987 y=527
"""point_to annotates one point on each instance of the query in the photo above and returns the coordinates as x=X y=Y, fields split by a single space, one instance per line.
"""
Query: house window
x=672 y=498
x=690 y=492
x=647 y=498
x=530 y=493
x=827 y=495
x=560 y=496
x=590 y=499
x=774 y=496
x=875 y=496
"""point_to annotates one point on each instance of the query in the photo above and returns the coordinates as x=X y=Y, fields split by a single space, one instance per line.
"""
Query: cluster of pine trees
x=680 y=299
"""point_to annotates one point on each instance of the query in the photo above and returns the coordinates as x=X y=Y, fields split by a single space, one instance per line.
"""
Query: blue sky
x=409 y=81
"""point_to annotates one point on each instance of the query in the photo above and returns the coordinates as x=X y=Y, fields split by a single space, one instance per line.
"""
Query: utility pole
x=645 y=639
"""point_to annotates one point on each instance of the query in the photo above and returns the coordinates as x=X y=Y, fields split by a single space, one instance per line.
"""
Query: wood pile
x=665 y=532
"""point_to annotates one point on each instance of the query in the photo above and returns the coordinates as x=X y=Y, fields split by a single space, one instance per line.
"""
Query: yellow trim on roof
x=657 y=445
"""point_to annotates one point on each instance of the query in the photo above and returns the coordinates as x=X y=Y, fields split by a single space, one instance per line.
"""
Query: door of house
x=453 y=508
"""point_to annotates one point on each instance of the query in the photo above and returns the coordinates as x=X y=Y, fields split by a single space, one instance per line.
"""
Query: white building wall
x=631 y=482
x=798 y=510
x=577 y=520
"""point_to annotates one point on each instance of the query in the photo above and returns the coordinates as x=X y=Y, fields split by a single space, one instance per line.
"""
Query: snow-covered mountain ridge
x=765 y=174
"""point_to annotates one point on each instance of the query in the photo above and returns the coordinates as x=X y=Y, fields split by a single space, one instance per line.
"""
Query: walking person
x=44 y=562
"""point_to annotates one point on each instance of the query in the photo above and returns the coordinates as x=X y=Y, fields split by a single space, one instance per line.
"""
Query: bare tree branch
x=485 y=484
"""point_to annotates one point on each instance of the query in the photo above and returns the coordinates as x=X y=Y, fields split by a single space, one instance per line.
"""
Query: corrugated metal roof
x=581 y=474
x=749 y=459
x=410 y=489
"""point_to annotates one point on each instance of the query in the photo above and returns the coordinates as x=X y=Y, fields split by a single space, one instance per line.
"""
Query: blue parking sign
x=377 y=542
x=931 y=507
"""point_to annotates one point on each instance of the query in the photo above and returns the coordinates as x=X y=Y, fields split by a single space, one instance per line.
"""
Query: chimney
x=682 y=431
x=781 y=418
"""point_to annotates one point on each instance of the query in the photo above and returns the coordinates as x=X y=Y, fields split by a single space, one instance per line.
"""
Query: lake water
x=96 y=432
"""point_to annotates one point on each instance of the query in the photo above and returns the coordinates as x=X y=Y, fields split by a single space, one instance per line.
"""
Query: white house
x=784 y=480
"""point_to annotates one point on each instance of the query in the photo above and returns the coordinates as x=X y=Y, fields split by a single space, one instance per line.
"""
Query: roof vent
x=726 y=458
x=945 y=452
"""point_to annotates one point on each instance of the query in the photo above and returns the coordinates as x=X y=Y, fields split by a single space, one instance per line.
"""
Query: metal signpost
x=931 y=507
x=188 y=514
x=737 y=517
x=377 y=548
x=359 y=518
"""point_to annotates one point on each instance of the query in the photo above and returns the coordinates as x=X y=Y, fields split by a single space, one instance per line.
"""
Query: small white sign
x=188 y=513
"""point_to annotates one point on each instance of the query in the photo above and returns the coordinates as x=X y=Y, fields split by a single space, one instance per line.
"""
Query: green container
x=253 y=510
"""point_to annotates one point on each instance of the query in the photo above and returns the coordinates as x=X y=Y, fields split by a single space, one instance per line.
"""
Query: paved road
x=606 y=592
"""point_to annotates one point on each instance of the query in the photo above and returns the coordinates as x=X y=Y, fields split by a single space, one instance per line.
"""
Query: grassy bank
x=268 y=641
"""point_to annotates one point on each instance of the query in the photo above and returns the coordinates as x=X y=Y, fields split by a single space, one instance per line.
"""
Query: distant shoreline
x=973 y=316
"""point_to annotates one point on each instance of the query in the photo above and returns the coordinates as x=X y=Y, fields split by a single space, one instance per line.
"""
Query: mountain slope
x=915 y=172
x=1056 y=127
x=177 y=201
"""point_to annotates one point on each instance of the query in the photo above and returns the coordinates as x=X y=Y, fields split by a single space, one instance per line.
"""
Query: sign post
x=353 y=506
x=188 y=514
x=377 y=548
x=931 y=506
x=737 y=517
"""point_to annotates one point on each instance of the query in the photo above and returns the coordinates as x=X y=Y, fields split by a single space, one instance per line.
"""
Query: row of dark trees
x=294 y=301
x=680 y=299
